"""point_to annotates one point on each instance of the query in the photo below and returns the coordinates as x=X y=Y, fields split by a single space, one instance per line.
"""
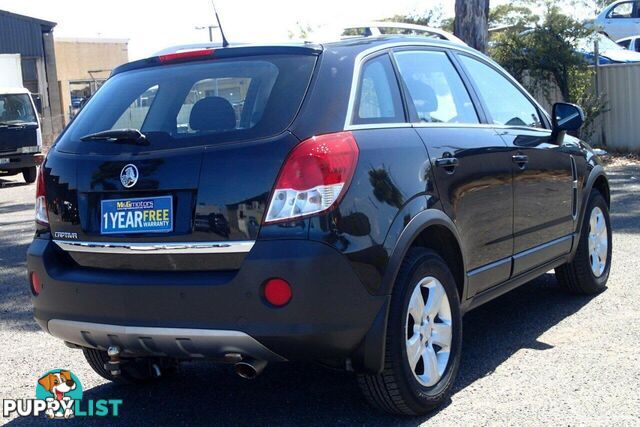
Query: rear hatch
x=192 y=148
x=18 y=124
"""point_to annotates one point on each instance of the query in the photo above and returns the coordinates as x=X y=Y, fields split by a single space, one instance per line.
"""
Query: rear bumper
x=161 y=342
x=18 y=161
x=209 y=313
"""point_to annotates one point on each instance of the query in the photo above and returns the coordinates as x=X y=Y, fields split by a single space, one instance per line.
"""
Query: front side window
x=378 y=99
x=435 y=88
x=505 y=103
x=623 y=10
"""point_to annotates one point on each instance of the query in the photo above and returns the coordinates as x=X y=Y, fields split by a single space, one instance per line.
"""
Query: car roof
x=352 y=46
x=13 y=90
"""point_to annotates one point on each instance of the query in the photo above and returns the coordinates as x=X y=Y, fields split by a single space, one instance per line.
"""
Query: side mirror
x=567 y=117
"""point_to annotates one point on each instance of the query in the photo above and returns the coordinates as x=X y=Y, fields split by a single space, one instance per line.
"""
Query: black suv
x=343 y=203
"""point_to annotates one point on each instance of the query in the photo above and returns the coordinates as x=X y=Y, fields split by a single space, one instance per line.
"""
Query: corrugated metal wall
x=619 y=128
x=21 y=35
x=621 y=124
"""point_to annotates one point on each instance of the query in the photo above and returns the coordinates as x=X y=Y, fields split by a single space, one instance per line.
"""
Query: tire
x=398 y=389
x=30 y=174
x=133 y=371
x=578 y=276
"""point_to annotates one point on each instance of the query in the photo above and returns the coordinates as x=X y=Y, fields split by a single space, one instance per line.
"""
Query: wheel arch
x=429 y=228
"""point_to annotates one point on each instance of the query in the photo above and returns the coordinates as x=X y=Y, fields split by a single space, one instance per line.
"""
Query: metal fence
x=618 y=129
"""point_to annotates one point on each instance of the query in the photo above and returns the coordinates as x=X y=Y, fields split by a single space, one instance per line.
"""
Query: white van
x=20 y=134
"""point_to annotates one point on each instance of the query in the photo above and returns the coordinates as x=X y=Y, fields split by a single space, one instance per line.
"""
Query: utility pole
x=210 y=28
x=471 y=23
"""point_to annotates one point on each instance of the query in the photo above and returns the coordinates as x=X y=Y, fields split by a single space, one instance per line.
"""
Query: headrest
x=212 y=113
x=424 y=97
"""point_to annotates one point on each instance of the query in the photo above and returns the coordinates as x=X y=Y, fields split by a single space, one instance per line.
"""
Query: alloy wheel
x=428 y=331
x=598 y=242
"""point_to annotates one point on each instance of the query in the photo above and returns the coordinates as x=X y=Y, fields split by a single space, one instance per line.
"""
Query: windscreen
x=195 y=103
x=16 y=109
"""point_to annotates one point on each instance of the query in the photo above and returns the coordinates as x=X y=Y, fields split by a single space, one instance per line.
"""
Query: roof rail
x=377 y=28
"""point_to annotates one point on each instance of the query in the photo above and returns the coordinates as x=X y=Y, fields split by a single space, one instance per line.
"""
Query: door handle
x=520 y=159
x=448 y=163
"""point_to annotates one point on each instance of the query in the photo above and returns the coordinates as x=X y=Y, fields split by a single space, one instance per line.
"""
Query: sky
x=154 y=25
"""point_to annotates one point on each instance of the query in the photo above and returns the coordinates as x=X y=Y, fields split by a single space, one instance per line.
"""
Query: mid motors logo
x=59 y=395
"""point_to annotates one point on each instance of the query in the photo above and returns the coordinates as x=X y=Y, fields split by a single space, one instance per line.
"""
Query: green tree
x=544 y=57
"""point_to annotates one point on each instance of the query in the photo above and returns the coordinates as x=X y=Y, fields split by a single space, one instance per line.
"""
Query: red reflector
x=277 y=292
x=186 y=55
x=36 y=287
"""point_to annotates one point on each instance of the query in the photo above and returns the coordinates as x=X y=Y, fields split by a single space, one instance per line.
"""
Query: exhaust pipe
x=250 y=368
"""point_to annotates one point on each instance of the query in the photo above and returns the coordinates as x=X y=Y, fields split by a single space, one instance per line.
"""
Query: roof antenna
x=225 y=43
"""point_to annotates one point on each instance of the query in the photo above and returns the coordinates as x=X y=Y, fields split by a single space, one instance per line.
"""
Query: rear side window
x=435 y=88
x=197 y=103
x=378 y=99
x=505 y=103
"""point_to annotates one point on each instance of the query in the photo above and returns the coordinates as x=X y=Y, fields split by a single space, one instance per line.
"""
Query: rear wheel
x=30 y=174
x=132 y=370
x=424 y=336
x=589 y=271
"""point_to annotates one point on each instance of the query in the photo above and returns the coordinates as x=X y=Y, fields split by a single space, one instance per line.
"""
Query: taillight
x=41 y=199
x=314 y=177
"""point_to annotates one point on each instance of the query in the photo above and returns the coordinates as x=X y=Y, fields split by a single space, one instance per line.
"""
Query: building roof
x=45 y=24
x=22 y=34
x=97 y=40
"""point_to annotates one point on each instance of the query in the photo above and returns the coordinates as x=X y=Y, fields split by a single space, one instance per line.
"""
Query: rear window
x=16 y=109
x=196 y=103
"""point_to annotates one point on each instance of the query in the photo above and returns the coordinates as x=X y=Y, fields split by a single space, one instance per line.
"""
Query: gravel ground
x=533 y=356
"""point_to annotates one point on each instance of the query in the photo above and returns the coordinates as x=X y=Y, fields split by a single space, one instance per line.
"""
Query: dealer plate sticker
x=143 y=215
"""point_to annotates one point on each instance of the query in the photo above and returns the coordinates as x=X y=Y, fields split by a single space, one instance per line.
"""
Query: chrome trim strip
x=157 y=341
x=166 y=248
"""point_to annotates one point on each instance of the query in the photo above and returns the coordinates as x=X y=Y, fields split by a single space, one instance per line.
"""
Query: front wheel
x=589 y=271
x=424 y=337
x=30 y=174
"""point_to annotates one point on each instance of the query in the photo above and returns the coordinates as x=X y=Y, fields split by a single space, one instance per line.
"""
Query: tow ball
x=113 y=365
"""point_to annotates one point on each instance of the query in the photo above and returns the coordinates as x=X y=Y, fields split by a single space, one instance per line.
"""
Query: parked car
x=620 y=19
x=20 y=134
x=610 y=52
x=631 y=43
x=395 y=183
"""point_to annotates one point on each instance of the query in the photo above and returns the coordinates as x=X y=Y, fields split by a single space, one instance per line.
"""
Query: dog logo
x=60 y=388
x=129 y=175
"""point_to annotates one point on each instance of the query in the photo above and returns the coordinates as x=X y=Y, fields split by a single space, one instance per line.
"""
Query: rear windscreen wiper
x=119 y=135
